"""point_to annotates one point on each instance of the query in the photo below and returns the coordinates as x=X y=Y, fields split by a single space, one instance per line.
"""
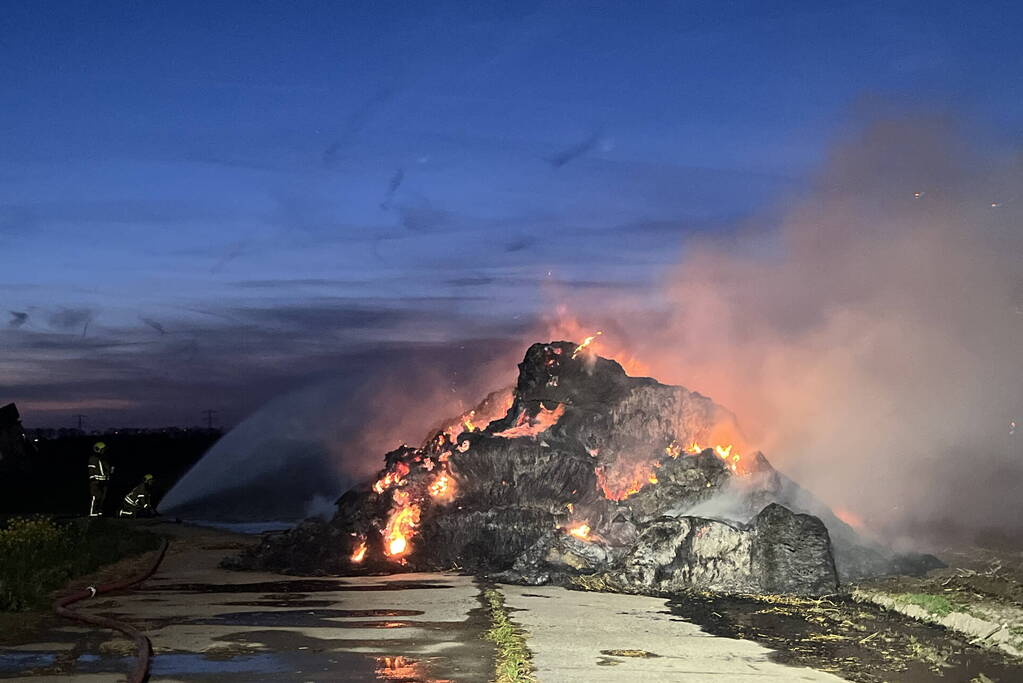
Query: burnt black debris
x=587 y=472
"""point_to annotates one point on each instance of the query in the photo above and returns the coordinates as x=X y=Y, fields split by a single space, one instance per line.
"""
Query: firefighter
x=139 y=501
x=100 y=472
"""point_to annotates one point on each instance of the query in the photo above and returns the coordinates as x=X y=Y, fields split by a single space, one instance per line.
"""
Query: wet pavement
x=580 y=637
x=208 y=624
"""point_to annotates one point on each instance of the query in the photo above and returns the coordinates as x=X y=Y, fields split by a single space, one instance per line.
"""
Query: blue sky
x=205 y=204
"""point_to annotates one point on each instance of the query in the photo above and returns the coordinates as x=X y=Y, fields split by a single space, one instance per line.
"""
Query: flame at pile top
x=586 y=342
x=563 y=325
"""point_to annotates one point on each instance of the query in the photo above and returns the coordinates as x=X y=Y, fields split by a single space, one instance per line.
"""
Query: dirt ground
x=856 y=641
x=861 y=641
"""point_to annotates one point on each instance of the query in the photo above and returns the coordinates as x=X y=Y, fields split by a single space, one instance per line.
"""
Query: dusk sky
x=203 y=205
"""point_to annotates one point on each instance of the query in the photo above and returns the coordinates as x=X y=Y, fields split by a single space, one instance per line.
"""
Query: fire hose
x=143 y=648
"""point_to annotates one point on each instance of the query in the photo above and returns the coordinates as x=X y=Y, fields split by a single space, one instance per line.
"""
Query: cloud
x=153 y=324
x=130 y=211
x=392 y=188
x=289 y=283
x=18 y=318
x=69 y=319
x=233 y=359
x=575 y=151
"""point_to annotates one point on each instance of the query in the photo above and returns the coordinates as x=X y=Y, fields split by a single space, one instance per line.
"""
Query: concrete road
x=592 y=637
x=208 y=624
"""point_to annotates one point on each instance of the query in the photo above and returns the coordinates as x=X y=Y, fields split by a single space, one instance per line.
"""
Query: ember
x=393 y=478
x=443 y=486
x=531 y=426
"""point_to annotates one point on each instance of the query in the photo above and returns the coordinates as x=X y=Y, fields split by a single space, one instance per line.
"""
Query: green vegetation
x=38 y=555
x=935 y=604
x=513 y=658
x=597 y=583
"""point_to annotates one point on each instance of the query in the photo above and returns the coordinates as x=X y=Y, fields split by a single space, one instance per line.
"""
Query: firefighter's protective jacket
x=138 y=501
x=99 y=468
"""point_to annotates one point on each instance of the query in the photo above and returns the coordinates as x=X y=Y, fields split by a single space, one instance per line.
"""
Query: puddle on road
x=311 y=604
x=301 y=618
x=291 y=666
x=15 y=661
x=439 y=652
x=296 y=586
x=317 y=618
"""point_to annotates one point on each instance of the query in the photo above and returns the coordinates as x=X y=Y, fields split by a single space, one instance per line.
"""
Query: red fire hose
x=143 y=648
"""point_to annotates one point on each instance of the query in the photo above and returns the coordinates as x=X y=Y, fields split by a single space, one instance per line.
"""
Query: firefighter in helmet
x=139 y=501
x=100 y=473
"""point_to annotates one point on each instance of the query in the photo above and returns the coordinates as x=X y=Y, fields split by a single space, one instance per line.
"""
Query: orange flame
x=732 y=458
x=443 y=487
x=481 y=416
x=585 y=344
x=526 y=426
x=399 y=528
x=563 y=325
x=395 y=477
x=360 y=553
x=623 y=480
x=581 y=531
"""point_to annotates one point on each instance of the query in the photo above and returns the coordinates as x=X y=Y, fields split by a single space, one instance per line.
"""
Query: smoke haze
x=871 y=344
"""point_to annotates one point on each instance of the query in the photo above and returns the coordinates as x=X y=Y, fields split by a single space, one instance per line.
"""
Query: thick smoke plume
x=872 y=344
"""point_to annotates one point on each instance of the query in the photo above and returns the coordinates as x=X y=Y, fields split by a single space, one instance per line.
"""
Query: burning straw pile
x=582 y=470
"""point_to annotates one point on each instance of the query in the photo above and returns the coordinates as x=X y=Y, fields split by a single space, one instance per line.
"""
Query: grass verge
x=39 y=555
x=513 y=658
x=935 y=604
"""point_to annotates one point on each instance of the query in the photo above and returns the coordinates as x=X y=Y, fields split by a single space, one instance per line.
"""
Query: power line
x=209 y=417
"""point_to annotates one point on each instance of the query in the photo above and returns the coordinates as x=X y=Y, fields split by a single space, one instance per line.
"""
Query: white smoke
x=872 y=343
